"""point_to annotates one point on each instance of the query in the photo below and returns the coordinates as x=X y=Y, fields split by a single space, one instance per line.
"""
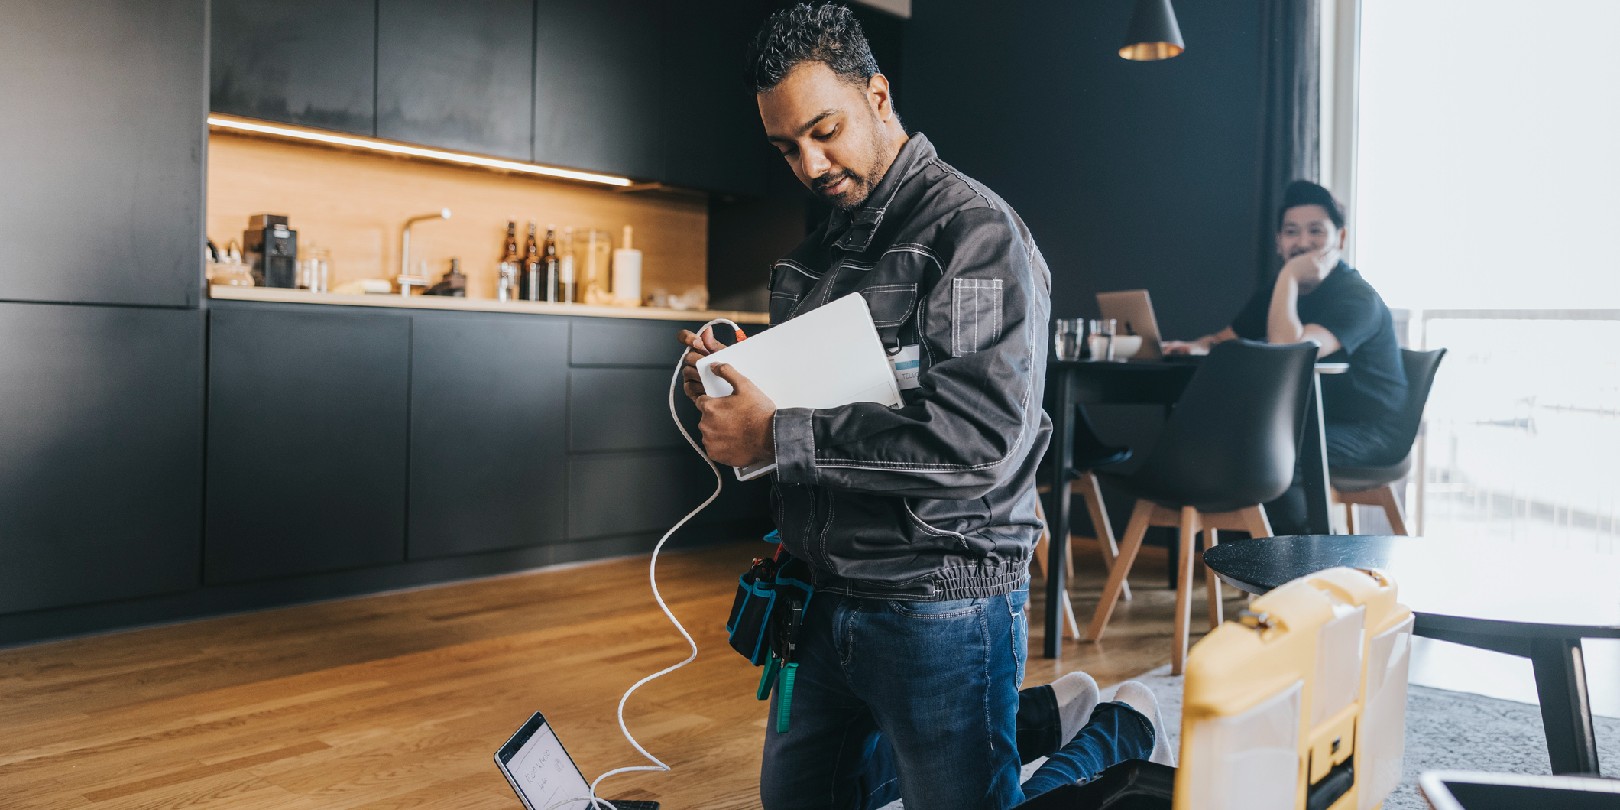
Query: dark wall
x=747 y=234
x=1129 y=174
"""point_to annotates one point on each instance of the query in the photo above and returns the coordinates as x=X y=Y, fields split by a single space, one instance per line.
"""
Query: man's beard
x=847 y=201
x=861 y=185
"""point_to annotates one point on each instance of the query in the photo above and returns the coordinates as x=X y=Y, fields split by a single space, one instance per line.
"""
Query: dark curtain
x=1290 y=119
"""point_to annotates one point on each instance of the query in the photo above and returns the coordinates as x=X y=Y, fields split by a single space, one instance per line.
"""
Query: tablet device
x=1458 y=790
x=827 y=357
x=542 y=773
x=1132 y=310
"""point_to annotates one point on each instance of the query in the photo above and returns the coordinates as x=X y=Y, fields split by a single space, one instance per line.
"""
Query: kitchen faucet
x=405 y=247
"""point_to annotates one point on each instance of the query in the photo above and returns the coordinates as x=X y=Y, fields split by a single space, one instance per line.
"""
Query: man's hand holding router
x=736 y=429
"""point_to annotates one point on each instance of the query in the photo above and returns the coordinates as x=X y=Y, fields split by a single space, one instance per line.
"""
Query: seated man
x=1316 y=297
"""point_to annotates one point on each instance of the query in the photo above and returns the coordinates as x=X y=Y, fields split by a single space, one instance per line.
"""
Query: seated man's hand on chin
x=1310 y=268
x=737 y=428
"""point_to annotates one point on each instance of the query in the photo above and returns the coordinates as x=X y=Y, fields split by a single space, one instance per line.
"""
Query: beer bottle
x=562 y=289
x=532 y=279
x=506 y=278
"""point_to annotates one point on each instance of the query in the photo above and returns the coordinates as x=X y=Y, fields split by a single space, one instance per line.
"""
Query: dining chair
x=1089 y=453
x=1378 y=486
x=1229 y=446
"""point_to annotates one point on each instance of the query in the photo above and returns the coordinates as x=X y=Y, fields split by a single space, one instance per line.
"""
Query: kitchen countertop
x=284 y=296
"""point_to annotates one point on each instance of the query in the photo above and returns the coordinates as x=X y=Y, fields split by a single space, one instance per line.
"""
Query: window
x=1487 y=203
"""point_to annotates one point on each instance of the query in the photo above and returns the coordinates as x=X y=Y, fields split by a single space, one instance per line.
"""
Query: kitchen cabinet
x=307 y=440
x=629 y=469
x=458 y=76
x=488 y=449
x=101 y=153
x=709 y=121
x=598 y=82
x=101 y=427
x=308 y=62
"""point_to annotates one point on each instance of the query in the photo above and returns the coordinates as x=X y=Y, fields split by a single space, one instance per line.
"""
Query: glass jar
x=592 y=253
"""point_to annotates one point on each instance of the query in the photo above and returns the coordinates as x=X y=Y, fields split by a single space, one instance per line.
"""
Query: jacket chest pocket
x=891 y=304
x=782 y=306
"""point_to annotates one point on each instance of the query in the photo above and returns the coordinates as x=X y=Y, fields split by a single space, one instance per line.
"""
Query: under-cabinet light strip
x=370 y=144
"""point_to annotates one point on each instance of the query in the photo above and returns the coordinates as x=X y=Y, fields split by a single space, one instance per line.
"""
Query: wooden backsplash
x=354 y=203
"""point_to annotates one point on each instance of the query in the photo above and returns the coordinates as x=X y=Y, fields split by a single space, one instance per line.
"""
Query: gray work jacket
x=935 y=499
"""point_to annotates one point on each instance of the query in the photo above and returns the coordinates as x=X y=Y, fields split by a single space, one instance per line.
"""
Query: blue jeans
x=918 y=700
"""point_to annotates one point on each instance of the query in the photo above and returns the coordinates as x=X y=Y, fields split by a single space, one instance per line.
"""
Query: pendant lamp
x=1153 y=34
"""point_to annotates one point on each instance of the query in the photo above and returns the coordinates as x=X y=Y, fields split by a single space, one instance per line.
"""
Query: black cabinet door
x=457 y=75
x=596 y=85
x=101 y=153
x=100 y=453
x=488 y=409
x=310 y=62
x=709 y=122
x=306 y=440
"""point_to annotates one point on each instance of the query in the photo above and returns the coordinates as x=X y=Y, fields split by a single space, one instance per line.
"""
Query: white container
x=627 y=273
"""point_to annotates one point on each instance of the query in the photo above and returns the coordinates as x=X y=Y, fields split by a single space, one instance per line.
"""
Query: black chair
x=1229 y=446
x=1376 y=486
x=1090 y=452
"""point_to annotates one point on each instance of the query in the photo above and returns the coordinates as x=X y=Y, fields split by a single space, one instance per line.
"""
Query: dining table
x=1075 y=383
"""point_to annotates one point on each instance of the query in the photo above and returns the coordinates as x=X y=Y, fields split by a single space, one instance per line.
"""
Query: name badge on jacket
x=906 y=364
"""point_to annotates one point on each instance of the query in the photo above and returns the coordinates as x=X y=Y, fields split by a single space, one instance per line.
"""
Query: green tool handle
x=784 y=696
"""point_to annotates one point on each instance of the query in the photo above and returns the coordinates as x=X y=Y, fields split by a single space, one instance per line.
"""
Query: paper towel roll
x=627 y=273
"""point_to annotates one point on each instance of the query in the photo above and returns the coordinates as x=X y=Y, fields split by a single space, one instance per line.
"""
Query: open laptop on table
x=544 y=776
x=1132 y=311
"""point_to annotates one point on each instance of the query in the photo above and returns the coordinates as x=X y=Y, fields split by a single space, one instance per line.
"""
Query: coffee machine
x=270 y=248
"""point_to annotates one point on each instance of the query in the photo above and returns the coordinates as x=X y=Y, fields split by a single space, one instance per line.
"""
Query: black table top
x=1509 y=589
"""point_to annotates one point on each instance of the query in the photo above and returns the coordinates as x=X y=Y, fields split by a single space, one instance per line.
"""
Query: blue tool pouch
x=750 y=621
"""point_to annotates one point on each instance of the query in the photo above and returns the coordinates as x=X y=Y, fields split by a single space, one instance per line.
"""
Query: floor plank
x=399 y=700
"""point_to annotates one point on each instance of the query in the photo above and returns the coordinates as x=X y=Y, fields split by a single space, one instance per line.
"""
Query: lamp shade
x=1153 y=33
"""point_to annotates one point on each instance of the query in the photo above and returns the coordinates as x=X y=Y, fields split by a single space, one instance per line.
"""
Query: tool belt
x=766 y=616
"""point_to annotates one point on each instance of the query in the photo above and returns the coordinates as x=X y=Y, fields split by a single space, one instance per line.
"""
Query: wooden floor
x=399 y=700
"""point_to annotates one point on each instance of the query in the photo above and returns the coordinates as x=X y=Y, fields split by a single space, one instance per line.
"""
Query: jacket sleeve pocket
x=975 y=314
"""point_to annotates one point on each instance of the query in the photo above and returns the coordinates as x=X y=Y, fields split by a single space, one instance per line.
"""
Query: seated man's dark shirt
x=1373 y=391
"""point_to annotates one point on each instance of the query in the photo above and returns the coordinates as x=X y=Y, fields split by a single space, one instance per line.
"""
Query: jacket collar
x=853 y=230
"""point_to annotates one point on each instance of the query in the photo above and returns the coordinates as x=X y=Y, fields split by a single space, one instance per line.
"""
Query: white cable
x=652 y=578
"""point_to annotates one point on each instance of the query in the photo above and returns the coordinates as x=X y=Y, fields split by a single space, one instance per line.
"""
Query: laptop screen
x=541 y=772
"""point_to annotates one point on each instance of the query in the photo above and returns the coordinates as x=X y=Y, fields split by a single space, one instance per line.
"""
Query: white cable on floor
x=652 y=578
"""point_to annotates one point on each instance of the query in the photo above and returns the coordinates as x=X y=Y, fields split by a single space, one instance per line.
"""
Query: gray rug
x=1446 y=731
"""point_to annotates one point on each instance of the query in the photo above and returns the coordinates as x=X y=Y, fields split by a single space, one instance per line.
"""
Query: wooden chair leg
x=1039 y=560
x=1092 y=492
x=1255 y=519
x=1350 y=519
x=1184 y=562
x=1134 y=532
x=1211 y=581
x=1390 y=499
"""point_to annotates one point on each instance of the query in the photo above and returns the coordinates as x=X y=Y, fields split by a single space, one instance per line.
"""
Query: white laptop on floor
x=1132 y=311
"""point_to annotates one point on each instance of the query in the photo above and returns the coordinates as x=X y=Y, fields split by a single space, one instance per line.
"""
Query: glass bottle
x=562 y=289
x=506 y=280
x=532 y=278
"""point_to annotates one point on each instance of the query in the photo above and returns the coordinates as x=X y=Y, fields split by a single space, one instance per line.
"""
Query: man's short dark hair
x=1304 y=192
x=809 y=32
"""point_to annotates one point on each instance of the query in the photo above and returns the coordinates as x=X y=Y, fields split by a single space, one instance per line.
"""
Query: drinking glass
x=1068 y=339
x=1102 y=338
